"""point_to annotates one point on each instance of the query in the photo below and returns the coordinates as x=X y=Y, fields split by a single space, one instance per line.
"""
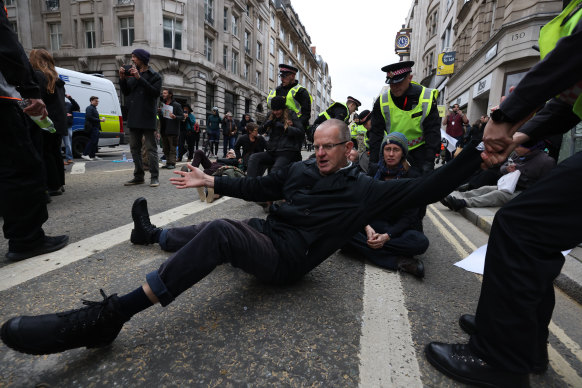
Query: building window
x=272 y=45
x=446 y=38
x=55 y=36
x=208 y=48
x=235 y=25
x=14 y=25
x=9 y=2
x=224 y=56
x=298 y=55
x=209 y=11
x=89 y=26
x=247 y=42
x=291 y=45
x=248 y=10
x=173 y=34
x=234 y=63
x=281 y=56
x=282 y=34
x=246 y=70
x=273 y=21
x=52 y=5
x=271 y=71
x=259 y=24
x=126 y=30
x=432 y=24
x=259 y=51
x=229 y=99
x=225 y=20
x=258 y=80
x=209 y=96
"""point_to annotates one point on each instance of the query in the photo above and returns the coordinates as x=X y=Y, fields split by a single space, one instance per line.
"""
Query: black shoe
x=93 y=326
x=49 y=244
x=144 y=232
x=455 y=204
x=411 y=265
x=464 y=187
x=54 y=193
x=460 y=363
x=467 y=323
x=134 y=181
x=170 y=166
x=154 y=182
x=444 y=202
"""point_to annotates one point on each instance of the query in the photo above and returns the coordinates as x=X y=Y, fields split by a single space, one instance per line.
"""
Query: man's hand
x=122 y=72
x=36 y=108
x=378 y=240
x=193 y=178
x=134 y=72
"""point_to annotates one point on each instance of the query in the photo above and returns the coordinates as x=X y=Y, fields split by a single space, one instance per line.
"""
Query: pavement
x=569 y=280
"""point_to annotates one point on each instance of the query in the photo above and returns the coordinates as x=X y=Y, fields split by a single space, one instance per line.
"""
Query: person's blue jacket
x=213 y=124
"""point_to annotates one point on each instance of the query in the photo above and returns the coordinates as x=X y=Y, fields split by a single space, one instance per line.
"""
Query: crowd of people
x=364 y=190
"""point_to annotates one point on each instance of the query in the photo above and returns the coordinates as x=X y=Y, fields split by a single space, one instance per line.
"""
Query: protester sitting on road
x=326 y=202
x=250 y=143
x=533 y=163
x=391 y=242
x=285 y=139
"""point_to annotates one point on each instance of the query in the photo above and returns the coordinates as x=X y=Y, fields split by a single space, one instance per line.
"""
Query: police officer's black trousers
x=22 y=179
x=523 y=258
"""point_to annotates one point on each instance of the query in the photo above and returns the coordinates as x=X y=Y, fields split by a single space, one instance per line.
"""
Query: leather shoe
x=49 y=244
x=467 y=323
x=460 y=363
x=455 y=204
x=411 y=265
x=144 y=232
x=134 y=182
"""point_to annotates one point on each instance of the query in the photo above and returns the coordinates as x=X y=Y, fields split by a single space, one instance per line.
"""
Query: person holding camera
x=142 y=86
x=286 y=135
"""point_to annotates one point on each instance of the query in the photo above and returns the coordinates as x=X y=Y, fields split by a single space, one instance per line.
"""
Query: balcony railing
x=125 y=2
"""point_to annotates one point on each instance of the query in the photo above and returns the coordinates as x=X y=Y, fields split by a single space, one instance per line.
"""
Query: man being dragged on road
x=327 y=201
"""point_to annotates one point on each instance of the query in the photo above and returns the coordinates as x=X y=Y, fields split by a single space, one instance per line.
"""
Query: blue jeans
x=227 y=143
x=68 y=144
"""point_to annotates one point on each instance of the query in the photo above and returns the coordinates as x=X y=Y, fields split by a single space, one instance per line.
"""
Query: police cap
x=355 y=101
x=396 y=72
x=286 y=69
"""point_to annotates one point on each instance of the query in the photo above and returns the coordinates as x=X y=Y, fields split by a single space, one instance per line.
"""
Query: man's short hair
x=344 y=130
x=250 y=127
x=170 y=91
x=93 y=98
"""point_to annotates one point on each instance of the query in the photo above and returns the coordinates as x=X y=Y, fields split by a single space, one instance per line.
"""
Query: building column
x=66 y=25
x=108 y=24
x=139 y=23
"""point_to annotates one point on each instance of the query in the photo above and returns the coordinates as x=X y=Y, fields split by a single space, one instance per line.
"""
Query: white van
x=81 y=87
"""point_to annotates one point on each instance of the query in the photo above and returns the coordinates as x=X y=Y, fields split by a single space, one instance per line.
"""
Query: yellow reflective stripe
x=385 y=109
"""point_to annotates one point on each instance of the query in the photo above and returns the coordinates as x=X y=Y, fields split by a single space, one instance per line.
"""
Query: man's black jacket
x=321 y=213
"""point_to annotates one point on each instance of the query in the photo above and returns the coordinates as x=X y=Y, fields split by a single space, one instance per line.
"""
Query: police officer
x=359 y=130
x=337 y=110
x=297 y=97
x=411 y=109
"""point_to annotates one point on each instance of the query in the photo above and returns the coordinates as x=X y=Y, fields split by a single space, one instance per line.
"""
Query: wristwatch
x=499 y=117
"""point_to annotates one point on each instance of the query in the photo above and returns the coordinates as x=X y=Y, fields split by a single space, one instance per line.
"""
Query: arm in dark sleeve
x=178 y=112
x=74 y=106
x=265 y=188
x=339 y=112
x=555 y=117
x=14 y=64
x=431 y=129
x=376 y=133
x=319 y=120
x=124 y=86
x=237 y=146
x=559 y=71
x=303 y=97
x=91 y=115
x=152 y=87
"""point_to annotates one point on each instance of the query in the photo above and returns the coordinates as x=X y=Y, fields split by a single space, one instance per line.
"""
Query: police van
x=81 y=87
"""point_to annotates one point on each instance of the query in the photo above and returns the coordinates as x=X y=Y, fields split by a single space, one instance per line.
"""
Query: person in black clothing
x=171 y=115
x=337 y=110
x=70 y=106
x=189 y=134
x=52 y=90
x=407 y=115
x=93 y=122
x=141 y=86
x=229 y=132
x=250 y=143
x=509 y=331
x=324 y=198
x=296 y=96
x=286 y=136
x=242 y=127
x=22 y=182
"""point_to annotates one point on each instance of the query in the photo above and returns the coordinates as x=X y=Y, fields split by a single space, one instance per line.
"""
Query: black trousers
x=53 y=160
x=22 y=179
x=523 y=259
x=261 y=161
x=201 y=248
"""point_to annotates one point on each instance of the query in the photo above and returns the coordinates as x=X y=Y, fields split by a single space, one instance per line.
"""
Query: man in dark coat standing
x=171 y=114
x=141 y=86
x=93 y=122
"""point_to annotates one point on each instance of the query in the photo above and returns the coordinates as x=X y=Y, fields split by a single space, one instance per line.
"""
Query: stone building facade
x=493 y=40
x=220 y=53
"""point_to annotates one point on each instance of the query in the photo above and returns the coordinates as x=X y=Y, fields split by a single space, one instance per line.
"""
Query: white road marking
x=20 y=272
x=559 y=364
x=78 y=168
x=387 y=355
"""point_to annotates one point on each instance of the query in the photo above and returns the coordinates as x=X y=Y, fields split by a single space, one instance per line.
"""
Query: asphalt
x=569 y=280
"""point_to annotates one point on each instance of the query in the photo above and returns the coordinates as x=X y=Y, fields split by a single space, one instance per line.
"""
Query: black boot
x=411 y=265
x=93 y=326
x=467 y=323
x=459 y=362
x=144 y=232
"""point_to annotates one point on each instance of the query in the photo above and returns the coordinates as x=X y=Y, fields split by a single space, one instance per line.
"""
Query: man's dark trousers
x=135 y=144
x=523 y=259
x=200 y=248
x=22 y=181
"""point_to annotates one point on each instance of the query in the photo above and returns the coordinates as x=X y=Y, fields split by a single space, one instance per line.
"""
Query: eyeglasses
x=392 y=149
x=327 y=147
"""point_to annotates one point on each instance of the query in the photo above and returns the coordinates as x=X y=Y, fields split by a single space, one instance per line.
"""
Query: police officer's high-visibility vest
x=407 y=122
x=290 y=100
x=327 y=116
x=562 y=25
